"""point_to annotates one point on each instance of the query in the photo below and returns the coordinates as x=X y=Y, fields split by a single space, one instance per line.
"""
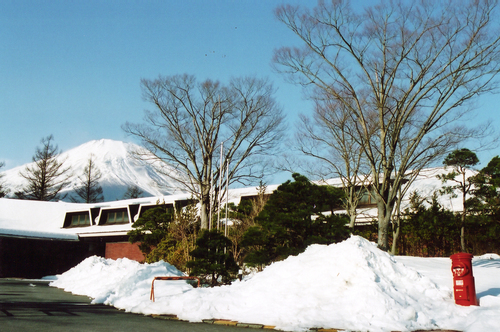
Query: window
x=367 y=197
x=117 y=217
x=78 y=220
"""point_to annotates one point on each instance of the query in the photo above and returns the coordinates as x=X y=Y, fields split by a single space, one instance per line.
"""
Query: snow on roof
x=19 y=233
x=427 y=183
x=36 y=219
x=45 y=220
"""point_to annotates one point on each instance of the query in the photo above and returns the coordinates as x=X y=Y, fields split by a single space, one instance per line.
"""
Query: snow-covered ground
x=351 y=285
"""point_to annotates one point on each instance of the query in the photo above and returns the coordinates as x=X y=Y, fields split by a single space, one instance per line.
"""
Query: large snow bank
x=351 y=285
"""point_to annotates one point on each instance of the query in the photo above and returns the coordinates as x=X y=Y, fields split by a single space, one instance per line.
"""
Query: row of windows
x=109 y=218
x=115 y=216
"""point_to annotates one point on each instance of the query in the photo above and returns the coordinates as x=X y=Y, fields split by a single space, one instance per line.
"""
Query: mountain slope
x=118 y=168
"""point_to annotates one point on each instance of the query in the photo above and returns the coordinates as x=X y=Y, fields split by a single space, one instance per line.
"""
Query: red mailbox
x=463 y=280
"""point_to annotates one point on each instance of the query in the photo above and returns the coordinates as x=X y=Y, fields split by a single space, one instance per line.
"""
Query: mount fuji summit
x=119 y=171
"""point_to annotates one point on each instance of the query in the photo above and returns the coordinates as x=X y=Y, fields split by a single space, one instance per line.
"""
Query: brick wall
x=115 y=250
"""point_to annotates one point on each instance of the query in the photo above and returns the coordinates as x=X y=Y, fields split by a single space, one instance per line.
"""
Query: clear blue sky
x=73 y=68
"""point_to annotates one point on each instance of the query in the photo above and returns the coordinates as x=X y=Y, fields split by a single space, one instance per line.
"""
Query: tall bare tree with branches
x=192 y=120
x=329 y=139
x=408 y=69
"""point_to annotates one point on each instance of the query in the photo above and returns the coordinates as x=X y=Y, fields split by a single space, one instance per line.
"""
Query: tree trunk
x=352 y=216
x=396 y=226
x=205 y=207
x=384 y=218
x=462 y=237
x=464 y=212
x=203 y=215
x=395 y=236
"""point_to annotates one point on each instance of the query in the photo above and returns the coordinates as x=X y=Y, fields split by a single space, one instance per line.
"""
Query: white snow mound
x=107 y=280
x=350 y=285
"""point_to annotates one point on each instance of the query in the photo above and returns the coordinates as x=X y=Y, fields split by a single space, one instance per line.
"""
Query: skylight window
x=117 y=217
x=79 y=220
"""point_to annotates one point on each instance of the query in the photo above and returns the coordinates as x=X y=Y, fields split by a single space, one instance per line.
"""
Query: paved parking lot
x=34 y=306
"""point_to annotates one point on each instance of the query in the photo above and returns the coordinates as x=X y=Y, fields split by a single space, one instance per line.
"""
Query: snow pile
x=351 y=285
x=107 y=280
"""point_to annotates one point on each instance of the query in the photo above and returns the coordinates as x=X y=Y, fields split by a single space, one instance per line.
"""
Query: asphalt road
x=34 y=306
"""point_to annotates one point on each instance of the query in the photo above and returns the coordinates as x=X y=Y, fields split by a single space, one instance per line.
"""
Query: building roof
x=45 y=220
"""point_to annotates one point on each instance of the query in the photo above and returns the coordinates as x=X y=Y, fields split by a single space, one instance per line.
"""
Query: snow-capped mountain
x=118 y=168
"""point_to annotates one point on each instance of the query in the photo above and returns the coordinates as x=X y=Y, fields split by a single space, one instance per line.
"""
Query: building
x=47 y=238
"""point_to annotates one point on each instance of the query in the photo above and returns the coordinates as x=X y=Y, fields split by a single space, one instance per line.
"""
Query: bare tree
x=330 y=140
x=47 y=175
x=192 y=120
x=407 y=69
x=89 y=190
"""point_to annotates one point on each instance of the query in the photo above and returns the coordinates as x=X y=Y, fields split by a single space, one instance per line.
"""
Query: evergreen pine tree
x=47 y=176
x=89 y=191
x=460 y=161
x=486 y=191
x=133 y=192
x=294 y=218
x=213 y=260
x=151 y=228
x=484 y=207
x=3 y=190
x=429 y=229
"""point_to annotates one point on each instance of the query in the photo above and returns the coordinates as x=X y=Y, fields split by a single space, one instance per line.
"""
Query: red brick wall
x=115 y=250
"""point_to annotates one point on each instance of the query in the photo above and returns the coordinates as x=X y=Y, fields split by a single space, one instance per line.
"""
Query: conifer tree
x=151 y=228
x=3 y=190
x=294 y=218
x=213 y=260
x=133 y=192
x=47 y=176
x=486 y=192
x=460 y=160
x=89 y=191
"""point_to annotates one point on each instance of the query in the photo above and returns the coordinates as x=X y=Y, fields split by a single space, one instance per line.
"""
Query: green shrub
x=429 y=231
x=151 y=228
x=213 y=261
x=292 y=219
x=166 y=234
